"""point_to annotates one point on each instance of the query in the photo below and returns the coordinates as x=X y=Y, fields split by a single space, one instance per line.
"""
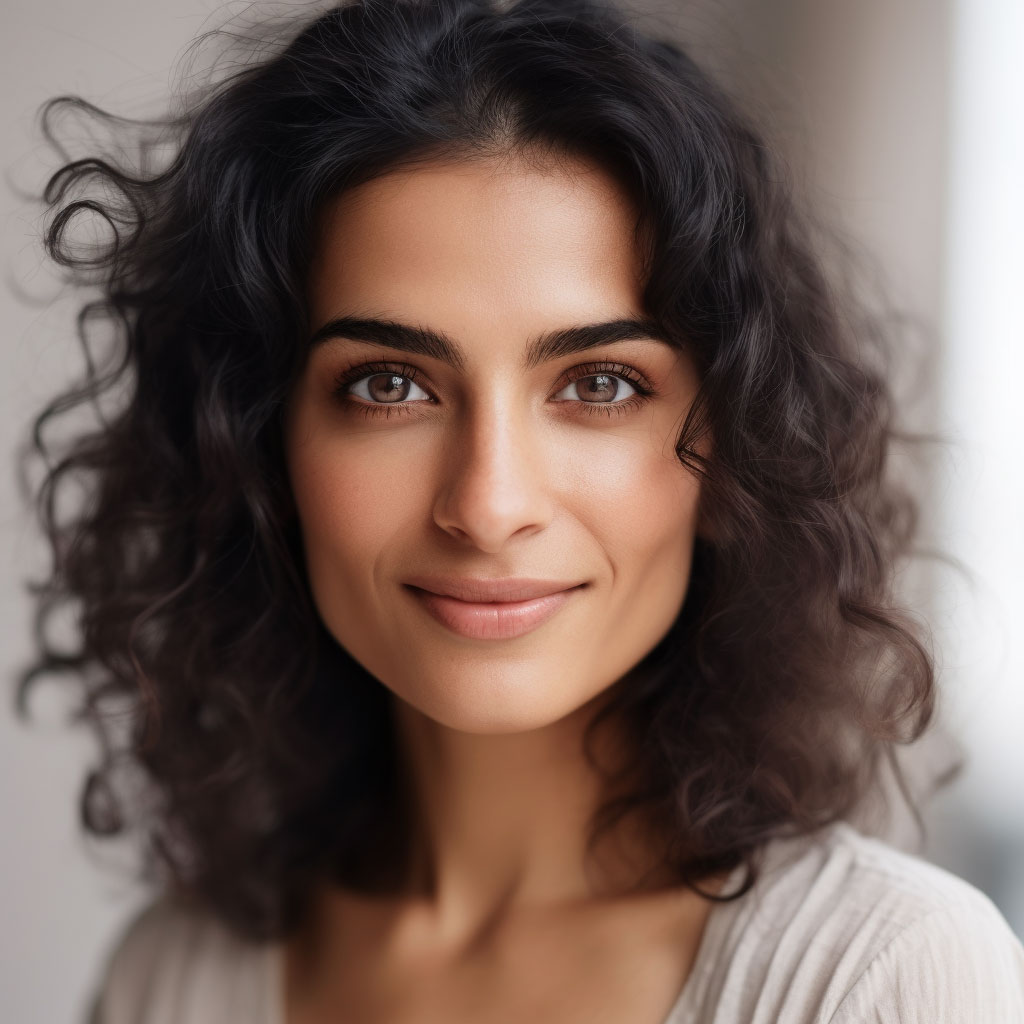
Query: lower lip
x=497 y=620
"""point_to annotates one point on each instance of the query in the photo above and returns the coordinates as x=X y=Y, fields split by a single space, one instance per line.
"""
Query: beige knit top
x=840 y=929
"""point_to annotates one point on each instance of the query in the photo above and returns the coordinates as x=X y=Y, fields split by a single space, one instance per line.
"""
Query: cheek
x=348 y=504
x=642 y=503
x=668 y=510
x=349 y=507
x=646 y=527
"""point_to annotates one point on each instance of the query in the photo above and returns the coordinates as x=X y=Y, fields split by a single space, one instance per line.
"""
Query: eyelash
x=352 y=374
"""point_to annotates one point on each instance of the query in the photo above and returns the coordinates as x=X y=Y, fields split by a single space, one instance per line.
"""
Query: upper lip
x=505 y=588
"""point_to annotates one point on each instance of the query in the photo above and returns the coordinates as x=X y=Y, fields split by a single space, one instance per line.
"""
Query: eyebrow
x=438 y=345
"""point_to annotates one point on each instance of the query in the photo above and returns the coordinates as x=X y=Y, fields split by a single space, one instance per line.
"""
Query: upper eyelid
x=359 y=371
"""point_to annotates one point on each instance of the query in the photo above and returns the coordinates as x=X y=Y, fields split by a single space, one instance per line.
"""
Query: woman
x=493 y=545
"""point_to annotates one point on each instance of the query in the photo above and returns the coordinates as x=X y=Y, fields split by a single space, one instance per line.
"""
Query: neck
x=501 y=821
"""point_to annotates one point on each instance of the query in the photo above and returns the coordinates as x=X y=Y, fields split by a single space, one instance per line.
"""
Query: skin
x=506 y=472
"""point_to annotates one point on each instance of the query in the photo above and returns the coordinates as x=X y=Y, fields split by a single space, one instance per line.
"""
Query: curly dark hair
x=790 y=674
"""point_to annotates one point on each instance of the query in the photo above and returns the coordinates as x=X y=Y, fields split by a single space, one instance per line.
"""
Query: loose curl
x=266 y=752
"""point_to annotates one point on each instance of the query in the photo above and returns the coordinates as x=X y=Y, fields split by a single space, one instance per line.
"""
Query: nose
x=496 y=476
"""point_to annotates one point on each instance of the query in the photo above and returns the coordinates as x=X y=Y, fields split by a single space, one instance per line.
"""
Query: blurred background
x=903 y=125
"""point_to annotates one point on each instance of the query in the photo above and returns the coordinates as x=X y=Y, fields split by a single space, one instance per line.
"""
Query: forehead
x=463 y=244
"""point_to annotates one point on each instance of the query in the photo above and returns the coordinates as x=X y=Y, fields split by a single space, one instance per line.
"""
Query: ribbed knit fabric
x=848 y=930
x=840 y=929
x=177 y=966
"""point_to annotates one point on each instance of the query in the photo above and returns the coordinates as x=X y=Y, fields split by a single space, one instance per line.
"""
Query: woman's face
x=504 y=457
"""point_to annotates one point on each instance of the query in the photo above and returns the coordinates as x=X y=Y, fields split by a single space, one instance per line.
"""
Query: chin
x=501 y=707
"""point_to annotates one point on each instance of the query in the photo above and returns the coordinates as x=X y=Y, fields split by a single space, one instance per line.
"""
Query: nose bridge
x=494 y=482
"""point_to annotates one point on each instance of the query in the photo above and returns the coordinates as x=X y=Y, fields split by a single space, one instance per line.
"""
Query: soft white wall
x=60 y=908
x=980 y=403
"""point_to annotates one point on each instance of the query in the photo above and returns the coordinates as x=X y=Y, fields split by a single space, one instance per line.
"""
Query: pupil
x=394 y=384
x=603 y=384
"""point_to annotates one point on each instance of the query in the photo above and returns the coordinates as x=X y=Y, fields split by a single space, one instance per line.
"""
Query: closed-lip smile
x=481 y=589
x=492 y=609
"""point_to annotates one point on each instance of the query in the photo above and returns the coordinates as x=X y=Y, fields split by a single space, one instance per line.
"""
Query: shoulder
x=177 y=963
x=842 y=928
x=855 y=878
x=940 y=949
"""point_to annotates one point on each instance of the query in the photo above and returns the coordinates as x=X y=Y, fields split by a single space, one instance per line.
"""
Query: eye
x=382 y=388
x=604 y=388
x=378 y=386
x=386 y=388
x=607 y=388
